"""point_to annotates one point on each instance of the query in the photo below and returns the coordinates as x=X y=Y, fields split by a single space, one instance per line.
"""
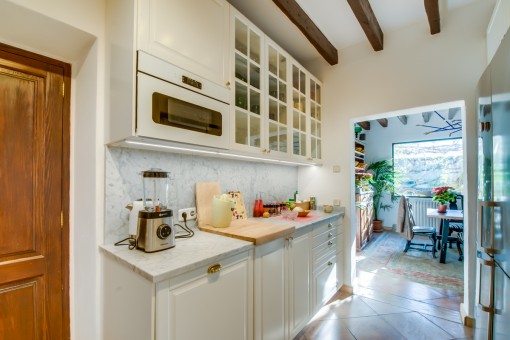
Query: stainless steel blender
x=155 y=229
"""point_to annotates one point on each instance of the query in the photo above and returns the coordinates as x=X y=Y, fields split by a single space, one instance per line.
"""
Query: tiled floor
x=386 y=308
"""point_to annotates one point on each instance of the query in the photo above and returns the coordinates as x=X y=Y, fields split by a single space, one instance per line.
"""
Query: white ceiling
x=336 y=21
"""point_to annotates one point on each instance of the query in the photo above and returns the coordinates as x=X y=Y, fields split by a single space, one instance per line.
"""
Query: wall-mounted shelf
x=359 y=157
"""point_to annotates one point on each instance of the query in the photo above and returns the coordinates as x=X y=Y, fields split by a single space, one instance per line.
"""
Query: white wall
x=73 y=31
x=414 y=69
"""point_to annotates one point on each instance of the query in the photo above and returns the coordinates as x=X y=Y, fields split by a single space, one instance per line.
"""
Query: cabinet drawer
x=323 y=228
x=324 y=237
x=325 y=249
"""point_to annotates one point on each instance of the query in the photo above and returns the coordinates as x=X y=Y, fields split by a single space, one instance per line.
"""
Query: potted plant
x=381 y=182
x=443 y=195
x=363 y=182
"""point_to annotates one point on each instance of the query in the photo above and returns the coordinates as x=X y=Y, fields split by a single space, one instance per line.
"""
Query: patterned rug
x=384 y=256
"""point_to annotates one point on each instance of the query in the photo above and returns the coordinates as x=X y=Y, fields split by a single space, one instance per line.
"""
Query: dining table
x=456 y=215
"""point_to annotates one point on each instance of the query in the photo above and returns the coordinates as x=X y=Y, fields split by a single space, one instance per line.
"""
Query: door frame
x=66 y=148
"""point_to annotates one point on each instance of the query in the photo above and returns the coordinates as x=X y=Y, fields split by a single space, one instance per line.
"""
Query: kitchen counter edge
x=189 y=254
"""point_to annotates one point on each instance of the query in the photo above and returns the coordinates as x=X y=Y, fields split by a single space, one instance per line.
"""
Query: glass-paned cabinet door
x=277 y=104
x=248 y=84
x=299 y=115
x=315 y=120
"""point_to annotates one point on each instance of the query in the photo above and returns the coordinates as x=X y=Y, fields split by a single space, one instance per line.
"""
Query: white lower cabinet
x=269 y=291
x=299 y=282
x=325 y=264
x=212 y=302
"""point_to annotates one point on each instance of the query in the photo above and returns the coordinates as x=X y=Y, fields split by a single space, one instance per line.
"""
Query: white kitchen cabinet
x=193 y=35
x=218 y=297
x=210 y=302
x=306 y=115
x=300 y=111
x=315 y=134
x=269 y=291
x=324 y=263
x=248 y=111
x=299 y=282
x=277 y=100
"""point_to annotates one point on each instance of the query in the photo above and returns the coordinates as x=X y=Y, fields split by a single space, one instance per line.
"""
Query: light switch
x=336 y=168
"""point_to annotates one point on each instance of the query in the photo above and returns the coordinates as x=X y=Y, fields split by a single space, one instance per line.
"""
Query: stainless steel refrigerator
x=492 y=311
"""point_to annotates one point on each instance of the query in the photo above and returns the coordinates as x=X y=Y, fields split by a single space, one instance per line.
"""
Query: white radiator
x=420 y=206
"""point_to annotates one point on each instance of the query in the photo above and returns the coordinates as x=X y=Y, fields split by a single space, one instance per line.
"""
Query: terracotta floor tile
x=384 y=308
x=351 y=307
x=446 y=302
x=456 y=330
x=371 y=328
x=409 y=304
x=415 y=326
x=389 y=308
x=325 y=330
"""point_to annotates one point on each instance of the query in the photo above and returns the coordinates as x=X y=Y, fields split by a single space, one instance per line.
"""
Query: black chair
x=429 y=232
x=454 y=226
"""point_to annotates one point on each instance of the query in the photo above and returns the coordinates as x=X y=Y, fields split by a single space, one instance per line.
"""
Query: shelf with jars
x=359 y=158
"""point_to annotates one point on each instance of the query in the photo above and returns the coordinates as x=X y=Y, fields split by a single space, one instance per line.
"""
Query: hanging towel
x=404 y=225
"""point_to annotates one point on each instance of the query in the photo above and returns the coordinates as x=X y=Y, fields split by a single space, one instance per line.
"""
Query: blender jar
x=156 y=183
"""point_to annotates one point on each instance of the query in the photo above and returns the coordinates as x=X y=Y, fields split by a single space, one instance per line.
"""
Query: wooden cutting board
x=252 y=230
x=204 y=193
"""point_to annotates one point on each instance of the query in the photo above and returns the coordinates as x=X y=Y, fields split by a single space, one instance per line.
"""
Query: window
x=421 y=166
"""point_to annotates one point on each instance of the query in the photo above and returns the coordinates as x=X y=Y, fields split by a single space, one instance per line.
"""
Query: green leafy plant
x=363 y=181
x=443 y=195
x=382 y=181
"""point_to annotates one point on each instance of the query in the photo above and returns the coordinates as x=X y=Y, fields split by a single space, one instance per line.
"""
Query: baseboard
x=467 y=320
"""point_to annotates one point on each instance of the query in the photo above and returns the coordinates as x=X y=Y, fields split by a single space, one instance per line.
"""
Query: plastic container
x=221 y=211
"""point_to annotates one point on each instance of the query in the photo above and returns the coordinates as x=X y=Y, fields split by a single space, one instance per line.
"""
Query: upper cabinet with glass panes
x=276 y=103
x=248 y=85
x=277 y=99
x=300 y=111
x=315 y=119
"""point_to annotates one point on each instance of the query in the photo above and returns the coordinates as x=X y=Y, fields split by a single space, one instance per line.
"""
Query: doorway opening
x=425 y=149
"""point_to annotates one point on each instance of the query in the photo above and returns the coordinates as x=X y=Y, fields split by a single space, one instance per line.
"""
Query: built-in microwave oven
x=178 y=106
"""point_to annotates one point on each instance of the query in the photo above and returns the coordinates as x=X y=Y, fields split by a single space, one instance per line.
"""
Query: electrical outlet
x=191 y=214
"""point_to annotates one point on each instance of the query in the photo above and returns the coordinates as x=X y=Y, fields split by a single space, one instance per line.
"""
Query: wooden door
x=34 y=184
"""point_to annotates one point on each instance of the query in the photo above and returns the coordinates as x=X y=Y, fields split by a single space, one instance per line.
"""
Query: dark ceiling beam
x=298 y=16
x=365 y=125
x=432 y=9
x=403 y=119
x=383 y=122
x=366 y=17
x=426 y=116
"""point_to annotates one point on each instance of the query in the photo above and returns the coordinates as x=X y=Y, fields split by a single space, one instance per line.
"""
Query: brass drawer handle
x=214 y=268
x=330 y=263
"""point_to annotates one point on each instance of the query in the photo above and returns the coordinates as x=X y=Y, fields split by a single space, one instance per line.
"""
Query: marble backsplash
x=123 y=183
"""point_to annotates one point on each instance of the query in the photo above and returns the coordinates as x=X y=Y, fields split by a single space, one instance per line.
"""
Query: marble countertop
x=200 y=250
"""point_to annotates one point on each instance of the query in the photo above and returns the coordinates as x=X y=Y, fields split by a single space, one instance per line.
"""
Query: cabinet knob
x=330 y=263
x=228 y=84
x=330 y=225
x=214 y=268
x=330 y=243
x=330 y=235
